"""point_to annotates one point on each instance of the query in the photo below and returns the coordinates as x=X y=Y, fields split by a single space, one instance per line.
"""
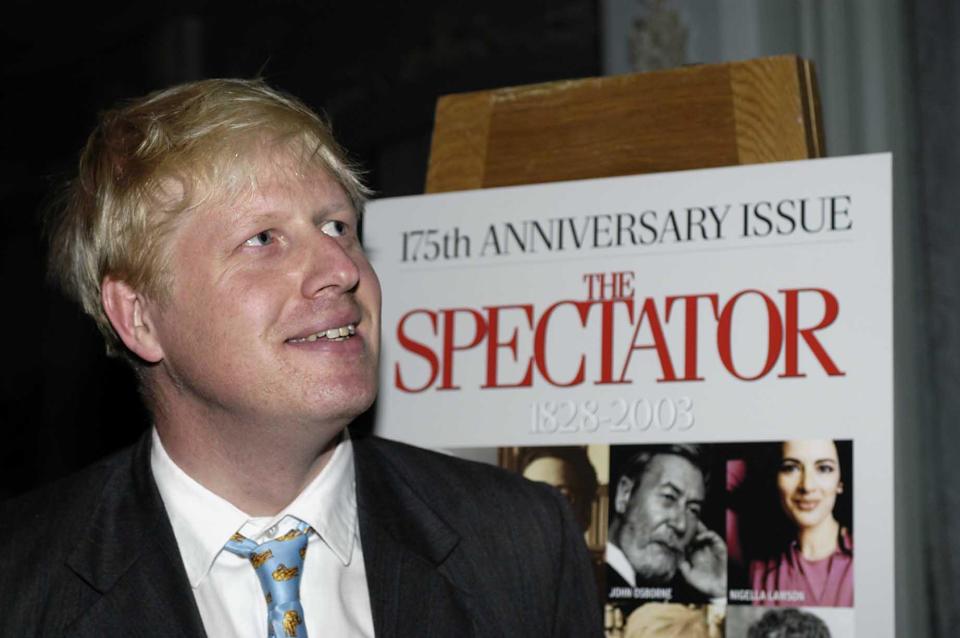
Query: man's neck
x=259 y=469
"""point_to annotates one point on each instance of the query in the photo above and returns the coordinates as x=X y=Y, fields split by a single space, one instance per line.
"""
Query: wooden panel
x=693 y=117
x=775 y=111
x=598 y=128
x=812 y=115
x=459 y=144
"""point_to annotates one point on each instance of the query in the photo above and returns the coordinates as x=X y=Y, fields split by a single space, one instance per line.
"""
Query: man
x=674 y=620
x=569 y=470
x=658 y=546
x=788 y=623
x=212 y=233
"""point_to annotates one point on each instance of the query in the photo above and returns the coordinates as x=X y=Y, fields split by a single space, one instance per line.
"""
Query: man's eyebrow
x=333 y=208
x=239 y=216
x=267 y=217
x=677 y=490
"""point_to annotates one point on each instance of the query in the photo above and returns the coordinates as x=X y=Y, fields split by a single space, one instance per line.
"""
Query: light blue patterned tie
x=279 y=566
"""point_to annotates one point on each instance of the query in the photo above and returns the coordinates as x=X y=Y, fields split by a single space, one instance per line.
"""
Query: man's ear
x=127 y=311
x=622 y=497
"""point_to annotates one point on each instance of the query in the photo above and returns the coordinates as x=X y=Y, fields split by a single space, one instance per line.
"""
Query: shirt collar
x=203 y=521
x=329 y=503
x=618 y=561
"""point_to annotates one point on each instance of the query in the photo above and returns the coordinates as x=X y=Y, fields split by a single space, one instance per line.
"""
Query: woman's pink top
x=793 y=581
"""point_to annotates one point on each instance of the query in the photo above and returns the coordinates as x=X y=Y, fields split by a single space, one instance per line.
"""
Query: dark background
x=376 y=69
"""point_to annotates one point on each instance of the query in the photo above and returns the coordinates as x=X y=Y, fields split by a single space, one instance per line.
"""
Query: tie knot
x=279 y=566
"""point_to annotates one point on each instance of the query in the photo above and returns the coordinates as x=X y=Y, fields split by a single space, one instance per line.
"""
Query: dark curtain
x=935 y=33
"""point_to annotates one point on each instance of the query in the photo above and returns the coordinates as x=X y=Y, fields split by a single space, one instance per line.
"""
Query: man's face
x=659 y=516
x=274 y=312
x=555 y=472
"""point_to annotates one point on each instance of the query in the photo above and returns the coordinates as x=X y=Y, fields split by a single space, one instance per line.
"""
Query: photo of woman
x=795 y=524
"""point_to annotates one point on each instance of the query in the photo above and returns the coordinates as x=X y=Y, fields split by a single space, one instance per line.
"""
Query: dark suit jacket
x=451 y=548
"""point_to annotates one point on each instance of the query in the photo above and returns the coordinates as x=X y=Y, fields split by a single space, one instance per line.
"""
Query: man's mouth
x=667 y=545
x=330 y=334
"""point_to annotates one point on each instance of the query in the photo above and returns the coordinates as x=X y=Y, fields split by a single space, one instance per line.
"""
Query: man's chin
x=656 y=565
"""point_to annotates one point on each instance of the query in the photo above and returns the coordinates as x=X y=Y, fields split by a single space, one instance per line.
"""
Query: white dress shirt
x=333 y=588
x=619 y=562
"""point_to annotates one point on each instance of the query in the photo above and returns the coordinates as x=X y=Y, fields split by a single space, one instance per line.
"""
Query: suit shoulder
x=517 y=550
x=64 y=502
x=451 y=484
x=420 y=464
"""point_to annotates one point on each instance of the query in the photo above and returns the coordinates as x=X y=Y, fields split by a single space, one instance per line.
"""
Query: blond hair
x=667 y=620
x=153 y=158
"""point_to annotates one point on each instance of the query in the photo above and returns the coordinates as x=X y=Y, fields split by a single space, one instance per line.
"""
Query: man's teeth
x=333 y=334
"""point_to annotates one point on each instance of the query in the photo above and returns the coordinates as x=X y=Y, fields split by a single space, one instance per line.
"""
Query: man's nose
x=328 y=267
x=678 y=520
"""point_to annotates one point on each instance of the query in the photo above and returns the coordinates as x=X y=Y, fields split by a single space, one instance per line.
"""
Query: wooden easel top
x=762 y=110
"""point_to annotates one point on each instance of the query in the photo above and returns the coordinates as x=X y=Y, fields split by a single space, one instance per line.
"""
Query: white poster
x=726 y=332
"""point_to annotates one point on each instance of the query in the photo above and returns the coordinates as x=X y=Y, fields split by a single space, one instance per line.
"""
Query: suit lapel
x=405 y=548
x=129 y=556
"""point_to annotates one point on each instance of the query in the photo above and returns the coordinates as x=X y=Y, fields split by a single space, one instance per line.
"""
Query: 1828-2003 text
x=612 y=415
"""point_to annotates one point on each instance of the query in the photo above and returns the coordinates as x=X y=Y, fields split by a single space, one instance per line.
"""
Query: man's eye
x=263 y=238
x=334 y=228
